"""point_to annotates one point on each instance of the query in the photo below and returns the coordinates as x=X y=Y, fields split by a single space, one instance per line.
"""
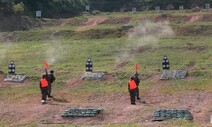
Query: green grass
x=181 y=86
x=71 y=56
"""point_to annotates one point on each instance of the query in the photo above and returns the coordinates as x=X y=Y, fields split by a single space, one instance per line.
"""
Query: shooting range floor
x=27 y=109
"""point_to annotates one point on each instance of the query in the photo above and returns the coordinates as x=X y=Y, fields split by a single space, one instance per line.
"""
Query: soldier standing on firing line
x=51 y=80
x=137 y=81
x=44 y=87
x=132 y=88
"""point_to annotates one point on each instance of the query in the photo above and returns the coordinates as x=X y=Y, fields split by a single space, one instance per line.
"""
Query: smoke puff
x=54 y=52
x=150 y=29
x=146 y=33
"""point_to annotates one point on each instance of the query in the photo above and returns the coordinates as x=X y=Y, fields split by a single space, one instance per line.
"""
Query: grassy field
x=67 y=43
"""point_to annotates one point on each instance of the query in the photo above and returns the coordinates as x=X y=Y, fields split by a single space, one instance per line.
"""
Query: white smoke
x=54 y=52
x=146 y=33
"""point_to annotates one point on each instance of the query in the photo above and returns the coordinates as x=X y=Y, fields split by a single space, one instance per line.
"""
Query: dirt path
x=116 y=107
x=90 y=23
x=194 y=18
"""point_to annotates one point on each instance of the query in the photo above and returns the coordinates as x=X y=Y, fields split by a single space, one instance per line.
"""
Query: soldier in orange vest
x=44 y=88
x=132 y=87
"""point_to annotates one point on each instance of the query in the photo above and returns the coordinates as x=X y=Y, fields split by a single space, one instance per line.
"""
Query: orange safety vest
x=44 y=82
x=132 y=84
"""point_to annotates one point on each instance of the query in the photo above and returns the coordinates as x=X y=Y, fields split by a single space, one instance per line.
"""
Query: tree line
x=63 y=8
x=49 y=8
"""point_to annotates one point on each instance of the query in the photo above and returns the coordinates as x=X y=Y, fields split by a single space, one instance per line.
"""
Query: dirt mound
x=8 y=37
x=195 y=30
x=163 y=19
x=101 y=33
x=196 y=9
x=193 y=18
x=94 y=21
x=182 y=19
x=120 y=20
x=207 y=17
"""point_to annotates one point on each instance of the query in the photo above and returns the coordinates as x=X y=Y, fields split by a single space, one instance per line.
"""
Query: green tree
x=6 y=7
x=19 y=8
x=109 y=5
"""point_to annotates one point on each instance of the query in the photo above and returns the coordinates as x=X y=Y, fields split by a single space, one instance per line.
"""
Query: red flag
x=136 y=67
x=46 y=64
